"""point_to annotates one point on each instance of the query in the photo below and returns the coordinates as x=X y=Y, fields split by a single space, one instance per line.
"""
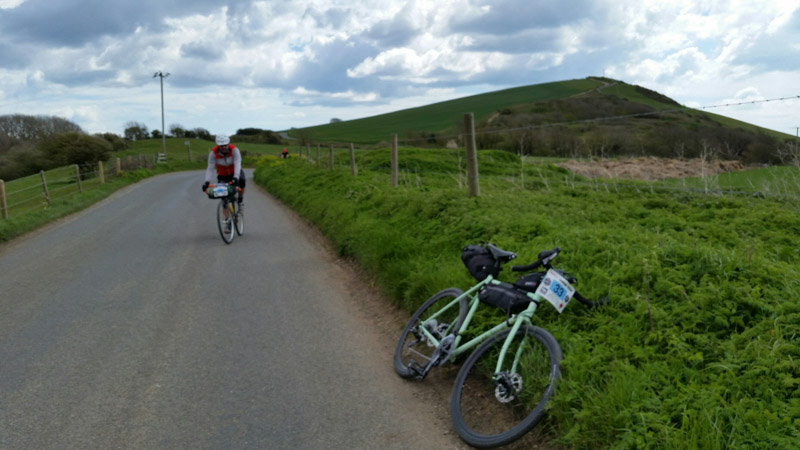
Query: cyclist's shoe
x=241 y=206
x=228 y=226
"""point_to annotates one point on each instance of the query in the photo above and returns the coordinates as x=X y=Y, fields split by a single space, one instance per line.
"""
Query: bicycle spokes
x=495 y=405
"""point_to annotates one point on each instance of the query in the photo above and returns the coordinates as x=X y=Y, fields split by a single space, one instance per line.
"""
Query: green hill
x=587 y=117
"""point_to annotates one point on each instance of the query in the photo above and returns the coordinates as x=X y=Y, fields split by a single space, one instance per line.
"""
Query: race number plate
x=220 y=191
x=556 y=290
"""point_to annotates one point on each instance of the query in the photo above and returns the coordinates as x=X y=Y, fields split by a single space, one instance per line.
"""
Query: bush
x=116 y=141
x=75 y=148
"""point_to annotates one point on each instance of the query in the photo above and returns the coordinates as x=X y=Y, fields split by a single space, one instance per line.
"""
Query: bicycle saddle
x=500 y=254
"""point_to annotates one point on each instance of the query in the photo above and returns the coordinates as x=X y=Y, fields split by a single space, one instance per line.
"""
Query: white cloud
x=10 y=4
x=335 y=59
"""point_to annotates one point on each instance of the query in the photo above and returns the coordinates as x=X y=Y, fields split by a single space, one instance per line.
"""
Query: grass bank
x=699 y=345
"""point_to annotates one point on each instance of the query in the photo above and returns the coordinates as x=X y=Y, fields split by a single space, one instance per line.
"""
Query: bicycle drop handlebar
x=545 y=258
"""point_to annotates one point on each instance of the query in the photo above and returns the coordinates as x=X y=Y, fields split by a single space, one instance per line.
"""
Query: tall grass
x=698 y=347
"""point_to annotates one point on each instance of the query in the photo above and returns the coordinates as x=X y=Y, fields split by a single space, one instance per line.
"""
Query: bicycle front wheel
x=239 y=219
x=441 y=315
x=225 y=225
x=492 y=407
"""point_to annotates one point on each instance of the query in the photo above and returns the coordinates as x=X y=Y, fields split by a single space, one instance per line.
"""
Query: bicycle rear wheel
x=226 y=229
x=441 y=317
x=490 y=408
x=239 y=219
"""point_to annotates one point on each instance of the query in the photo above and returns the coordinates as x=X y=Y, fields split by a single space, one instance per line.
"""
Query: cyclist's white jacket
x=217 y=164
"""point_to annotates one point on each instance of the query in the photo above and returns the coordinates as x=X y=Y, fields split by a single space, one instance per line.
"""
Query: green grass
x=698 y=347
x=775 y=181
x=443 y=116
x=38 y=213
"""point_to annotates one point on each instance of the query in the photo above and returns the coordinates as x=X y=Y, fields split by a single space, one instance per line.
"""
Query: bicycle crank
x=439 y=357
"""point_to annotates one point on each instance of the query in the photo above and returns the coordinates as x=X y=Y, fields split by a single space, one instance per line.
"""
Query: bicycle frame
x=514 y=322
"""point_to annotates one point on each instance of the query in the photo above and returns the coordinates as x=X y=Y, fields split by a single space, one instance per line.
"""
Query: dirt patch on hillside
x=650 y=169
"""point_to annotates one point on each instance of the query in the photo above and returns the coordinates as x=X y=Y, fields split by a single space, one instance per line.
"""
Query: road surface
x=133 y=325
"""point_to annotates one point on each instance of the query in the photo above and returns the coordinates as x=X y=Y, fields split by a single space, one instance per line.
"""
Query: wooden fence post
x=318 y=146
x=308 y=152
x=3 y=204
x=100 y=172
x=331 y=156
x=78 y=177
x=119 y=166
x=394 y=160
x=353 y=168
x=472 y=156
x=44 y=185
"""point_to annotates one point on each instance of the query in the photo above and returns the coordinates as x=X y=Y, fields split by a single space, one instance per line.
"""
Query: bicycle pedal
x=419 y=371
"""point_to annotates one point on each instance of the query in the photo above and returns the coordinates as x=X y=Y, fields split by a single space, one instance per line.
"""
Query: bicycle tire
x=413 y=343
x=487 y=413
x=238 y=219
x=222 y=222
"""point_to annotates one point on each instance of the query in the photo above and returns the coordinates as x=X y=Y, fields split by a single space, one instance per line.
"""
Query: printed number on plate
x=556 y=290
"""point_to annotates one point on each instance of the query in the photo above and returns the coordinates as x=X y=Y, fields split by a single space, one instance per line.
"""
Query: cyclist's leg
x=242 y=184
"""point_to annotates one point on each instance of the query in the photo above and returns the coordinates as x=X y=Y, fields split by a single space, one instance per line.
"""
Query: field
x=698 y=346
x=440 y=116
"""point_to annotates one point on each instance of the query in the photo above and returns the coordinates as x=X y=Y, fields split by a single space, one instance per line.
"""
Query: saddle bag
x=480 y=262
x=505 y=297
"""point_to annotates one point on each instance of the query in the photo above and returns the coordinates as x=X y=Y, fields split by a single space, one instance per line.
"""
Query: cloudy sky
x=277 y=64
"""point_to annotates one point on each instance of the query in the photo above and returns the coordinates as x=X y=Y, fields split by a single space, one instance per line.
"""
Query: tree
x=177 y=130
x=136 y=131
x=75 y=148
x=116 y=141
x=335 y=120
x=156 y=134
x=202 y=133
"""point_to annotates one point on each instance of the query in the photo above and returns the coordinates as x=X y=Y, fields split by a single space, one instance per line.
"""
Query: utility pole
x=162 y=75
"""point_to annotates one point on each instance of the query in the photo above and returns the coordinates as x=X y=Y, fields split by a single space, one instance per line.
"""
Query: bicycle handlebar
x=545 y=258
x=238 y=188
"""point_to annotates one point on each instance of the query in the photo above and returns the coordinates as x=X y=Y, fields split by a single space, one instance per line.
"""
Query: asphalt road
x=133 y=325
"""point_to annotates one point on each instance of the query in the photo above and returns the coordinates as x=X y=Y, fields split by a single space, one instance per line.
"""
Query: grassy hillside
x=698 y=347
x=588 y=117
x=440 y=117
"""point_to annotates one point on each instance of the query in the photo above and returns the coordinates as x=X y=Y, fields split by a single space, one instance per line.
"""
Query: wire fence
x=775 y=182
x=39 y=191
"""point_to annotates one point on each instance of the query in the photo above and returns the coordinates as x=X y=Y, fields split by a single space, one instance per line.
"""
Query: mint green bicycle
x=502 y=388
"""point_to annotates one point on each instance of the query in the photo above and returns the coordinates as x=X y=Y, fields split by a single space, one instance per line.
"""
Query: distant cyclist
x=284 y=153
x=227 y=161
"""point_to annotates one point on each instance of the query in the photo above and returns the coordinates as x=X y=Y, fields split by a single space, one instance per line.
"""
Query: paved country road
x=133 y=325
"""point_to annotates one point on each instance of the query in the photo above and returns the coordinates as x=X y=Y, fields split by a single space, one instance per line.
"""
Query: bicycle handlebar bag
x=480 y=262
x=220 y=191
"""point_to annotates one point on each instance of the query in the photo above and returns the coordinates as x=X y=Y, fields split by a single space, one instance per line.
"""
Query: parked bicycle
x=230 y=216
x=502 y=388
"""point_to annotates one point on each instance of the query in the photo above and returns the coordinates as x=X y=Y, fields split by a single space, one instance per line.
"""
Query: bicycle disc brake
x=508 y=386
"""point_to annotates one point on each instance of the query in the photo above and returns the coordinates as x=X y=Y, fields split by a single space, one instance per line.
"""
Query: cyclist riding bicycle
x=226 y=159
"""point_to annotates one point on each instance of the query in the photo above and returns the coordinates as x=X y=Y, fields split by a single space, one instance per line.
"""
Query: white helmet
x=223 y=139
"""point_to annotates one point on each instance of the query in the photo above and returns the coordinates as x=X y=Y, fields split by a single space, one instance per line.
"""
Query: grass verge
x=699 y=345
